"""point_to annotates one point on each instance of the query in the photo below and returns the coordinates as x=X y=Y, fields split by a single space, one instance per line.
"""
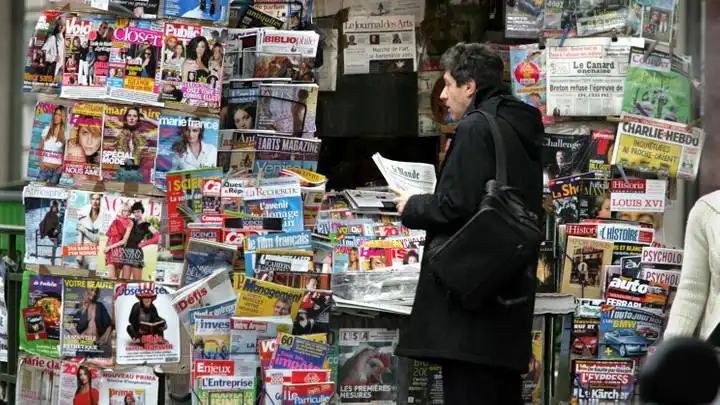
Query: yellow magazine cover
x=263 y=298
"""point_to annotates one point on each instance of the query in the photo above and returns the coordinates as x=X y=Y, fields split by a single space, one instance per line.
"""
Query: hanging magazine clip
x=614 y=38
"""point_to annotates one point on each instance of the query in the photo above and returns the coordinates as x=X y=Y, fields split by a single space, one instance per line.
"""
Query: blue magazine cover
x=290 y=240
x=275 y=198
x=204 y=257
x=627 y=332
x=207 y=10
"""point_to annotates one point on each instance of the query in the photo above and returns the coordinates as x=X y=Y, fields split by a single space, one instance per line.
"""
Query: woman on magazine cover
x=243 y=117
x=198 y=59
x=177 y=54
x=216 y=61
x=52 y=147
x=132 y=140
x=118 y=234
x=50 y=227
x=94 y=320
x=149 y=64
x=142 y=234
x=84 y=146
x=54 y=47
x=88 y=228
x=85 y=394
x=190 y=152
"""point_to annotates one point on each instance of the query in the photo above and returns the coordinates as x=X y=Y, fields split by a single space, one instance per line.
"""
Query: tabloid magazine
x=193 y=77
x=82 y=149
x=44 y=59
x=185 y=143
x=148 y=328
x=87 y=318
x=130 y=137
x=216 y=11
x=79 y=384
x=87 y=54
x=135 y=63
x=47 y=142
x=81 y=235
x=129 y=237
x=130 y=386
x=44 y=219
x=359 y=384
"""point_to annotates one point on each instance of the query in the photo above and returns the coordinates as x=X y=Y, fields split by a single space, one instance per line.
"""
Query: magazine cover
x=240 y=56
x=584 y=337
x=148 y=9
x=130 y=138
x=89 y=41
x=275 y=379
x=81 y=234
x=129 y=237
x=45 y=209
x=82 y=149
x=523 y=19
x=216 y=11
x=584 y=263
x=38 y=380
x=527 y=69
x=263 y=298
x=44 y=59
x=655 y=87
x=545 y=274
x=203 y=257
x=274 y=153
x=79 y=384
x=367 y=368
x=40 y=314
x=148 y=329
x=627 y=332
x=237 y=152
x=314 y=312
x=134 y=62
x=288 y=108
x=274 y=198
x=47 y=142
x=88 y=323
x=424 y=383
x=532 y=380
x=215 y=389
x=185 y=143
x=286 y=54
x=298 y=353
x=564 y=155
x=211 y=338
x=195 y=76
x=612 y=380
x=184 y=196
x=130 y=386
x=285 y=240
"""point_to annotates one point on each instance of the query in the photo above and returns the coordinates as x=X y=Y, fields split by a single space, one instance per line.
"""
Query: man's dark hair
x=137 y=206
x=477 y=62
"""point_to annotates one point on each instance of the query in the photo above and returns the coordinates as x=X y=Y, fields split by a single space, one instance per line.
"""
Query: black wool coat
x=439 y=329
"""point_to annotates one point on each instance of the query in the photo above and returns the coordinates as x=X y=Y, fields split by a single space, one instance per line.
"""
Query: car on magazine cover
x=648 y=333
x=583 y=344
x=627 y=342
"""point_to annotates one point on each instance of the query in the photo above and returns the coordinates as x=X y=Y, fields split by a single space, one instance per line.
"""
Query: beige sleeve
x=692 y=293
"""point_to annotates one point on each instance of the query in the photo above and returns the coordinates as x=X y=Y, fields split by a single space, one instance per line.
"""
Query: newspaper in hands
x=412 y=178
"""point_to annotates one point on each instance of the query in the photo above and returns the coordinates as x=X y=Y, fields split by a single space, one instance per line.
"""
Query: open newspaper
x=413 y=178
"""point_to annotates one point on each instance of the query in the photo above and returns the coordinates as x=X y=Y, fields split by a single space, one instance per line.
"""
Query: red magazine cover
x=310 y=393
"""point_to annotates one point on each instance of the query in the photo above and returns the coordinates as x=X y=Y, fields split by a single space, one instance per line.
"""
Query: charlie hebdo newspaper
x=586 y=76
x=414 y=178
x=648 y=145
x=380 y=44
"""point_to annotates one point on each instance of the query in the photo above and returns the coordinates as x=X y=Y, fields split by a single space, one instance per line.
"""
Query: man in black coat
x=483 y=353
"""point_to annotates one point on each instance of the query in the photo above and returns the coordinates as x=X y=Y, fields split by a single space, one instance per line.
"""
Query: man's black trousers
x=474 y=384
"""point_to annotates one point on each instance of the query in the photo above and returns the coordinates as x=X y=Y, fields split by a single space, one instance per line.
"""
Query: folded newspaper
x=413 y=178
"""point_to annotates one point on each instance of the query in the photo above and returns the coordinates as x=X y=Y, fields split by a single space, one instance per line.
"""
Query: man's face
x=456 y=97
x=560 y=157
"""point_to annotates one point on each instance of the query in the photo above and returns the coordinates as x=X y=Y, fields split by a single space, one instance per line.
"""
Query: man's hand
x=401 y=199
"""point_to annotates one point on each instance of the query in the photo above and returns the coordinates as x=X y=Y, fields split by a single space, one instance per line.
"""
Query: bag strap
x=500 y=156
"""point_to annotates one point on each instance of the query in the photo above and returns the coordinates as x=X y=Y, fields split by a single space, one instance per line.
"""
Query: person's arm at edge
x=463 y=177
x=692 y=292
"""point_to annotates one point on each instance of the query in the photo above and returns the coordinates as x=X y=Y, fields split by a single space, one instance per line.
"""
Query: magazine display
x=192 y=64
x=148 y=328
x=380 y=44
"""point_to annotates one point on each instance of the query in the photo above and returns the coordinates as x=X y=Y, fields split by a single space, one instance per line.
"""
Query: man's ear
x=470 y=88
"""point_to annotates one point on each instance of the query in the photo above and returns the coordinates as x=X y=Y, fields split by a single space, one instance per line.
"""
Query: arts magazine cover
x=81 y=235
x=47 y=142
x=44 y=58
x=88 y=325
x=185 y=143
x=45 y=209
x=89 y=41
x=129 y=237
x=192 y=66
x=82 y=149
x=288 y=108
x=148 y=329
x=130 y=138
x=135 y=64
